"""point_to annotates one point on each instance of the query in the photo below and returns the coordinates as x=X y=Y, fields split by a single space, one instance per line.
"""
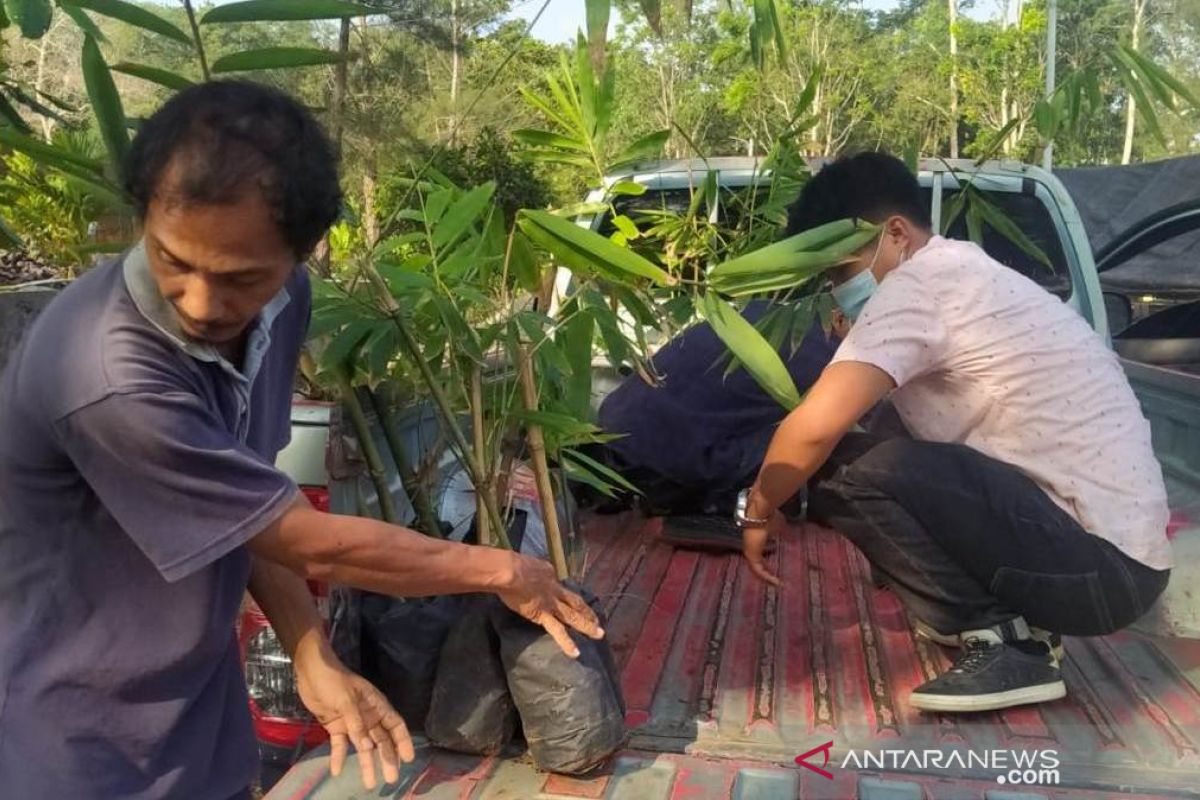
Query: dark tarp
x=1112 y=199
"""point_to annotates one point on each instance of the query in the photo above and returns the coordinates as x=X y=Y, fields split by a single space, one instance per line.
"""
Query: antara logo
x=803 y=758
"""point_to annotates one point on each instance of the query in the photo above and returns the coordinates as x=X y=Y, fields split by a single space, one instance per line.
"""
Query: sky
x=564 y=17
x=558 y=24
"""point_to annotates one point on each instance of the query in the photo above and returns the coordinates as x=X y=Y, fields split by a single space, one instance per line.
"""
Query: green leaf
x=346 y=343
x=575 y=340
x=653 y=11
x=616 y=346
x=85 y=23
x=750 y=348
x=646 y=147
x=952 y=210
x=381 y=348
x=9 y=238
x=586 y=250
x=1160 y=91
x=523 y=265
x=532 y=138
x=32 y=16
x=597 y=28
x=580 y=210
x=464 y=339
x=462 y=215
x=275 y=58
x=402 y=281
x=626 y=226
x=612 y=477
x=106 y=102
x=557 y=157
x=1003 y=225
x=998 y=140
x=133 y=15
x=13 y=116
x=627 y=189
x=1161 y=76
x=162 y=77
x=1134 y=86
x=285 y=10
x=974 y=225
x=5 y=22
x=556 y=422
x=804 y=104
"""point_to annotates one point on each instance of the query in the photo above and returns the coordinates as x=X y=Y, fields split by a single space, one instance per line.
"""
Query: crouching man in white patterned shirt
x=1028 y=503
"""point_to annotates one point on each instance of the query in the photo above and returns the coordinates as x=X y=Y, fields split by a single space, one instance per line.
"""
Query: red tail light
x=318 y=496
x=279 y=717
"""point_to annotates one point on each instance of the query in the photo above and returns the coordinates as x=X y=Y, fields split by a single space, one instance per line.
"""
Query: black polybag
x=572 y=711
x=402 y=640
x=472 y=710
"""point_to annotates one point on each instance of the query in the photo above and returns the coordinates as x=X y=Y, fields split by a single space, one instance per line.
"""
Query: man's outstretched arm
x=841 y=396
x=373 y=555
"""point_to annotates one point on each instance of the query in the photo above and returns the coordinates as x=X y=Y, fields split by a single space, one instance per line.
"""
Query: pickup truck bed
x=727 y=681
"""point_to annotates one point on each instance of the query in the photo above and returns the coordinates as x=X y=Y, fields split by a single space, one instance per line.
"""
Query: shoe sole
x=1042 y=693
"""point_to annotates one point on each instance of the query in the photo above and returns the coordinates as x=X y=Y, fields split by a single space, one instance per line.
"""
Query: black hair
x=225 y=136
x=870 y=186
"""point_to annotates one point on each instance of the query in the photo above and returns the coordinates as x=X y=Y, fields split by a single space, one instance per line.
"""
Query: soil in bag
x=402 y=642
x=572 y=711
x=472 y=710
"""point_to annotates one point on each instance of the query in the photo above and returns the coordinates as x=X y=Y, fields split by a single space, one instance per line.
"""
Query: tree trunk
x=455 y=65
x=341 y=76
x=953 y=6
x=370 y=212
x=1139 y=11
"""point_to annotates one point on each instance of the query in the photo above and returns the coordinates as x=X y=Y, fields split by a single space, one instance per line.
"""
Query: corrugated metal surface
x=727 y=681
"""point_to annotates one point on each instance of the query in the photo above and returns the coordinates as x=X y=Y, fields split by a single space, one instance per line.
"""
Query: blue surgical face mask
x=852 y=295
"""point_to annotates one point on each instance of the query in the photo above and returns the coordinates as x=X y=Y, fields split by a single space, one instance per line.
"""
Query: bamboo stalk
x=482 y=526
x=427 y=519
x=466 y=454
x=387 y=508
x=541 y=470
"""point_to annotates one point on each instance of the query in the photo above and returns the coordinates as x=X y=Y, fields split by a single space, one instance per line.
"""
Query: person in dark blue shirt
x=692 y=442
x=139 y=499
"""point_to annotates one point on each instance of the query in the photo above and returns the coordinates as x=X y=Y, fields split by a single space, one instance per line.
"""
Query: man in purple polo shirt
x=138 y=501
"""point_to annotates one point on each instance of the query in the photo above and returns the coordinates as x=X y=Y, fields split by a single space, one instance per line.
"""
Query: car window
x=674 y=201
x=1027 y=211
x=1032 y=217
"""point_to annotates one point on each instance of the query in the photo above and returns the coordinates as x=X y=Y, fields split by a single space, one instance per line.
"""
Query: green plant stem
x=541 y=470
x=466 y=454
x=387 y=508
x=427 y=519
x=482 y=526
x=191 y=14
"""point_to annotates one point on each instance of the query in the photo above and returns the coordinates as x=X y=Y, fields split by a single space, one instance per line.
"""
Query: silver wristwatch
x=739 y=514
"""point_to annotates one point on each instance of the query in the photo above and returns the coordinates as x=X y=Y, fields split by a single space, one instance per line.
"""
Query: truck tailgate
x=728 y=681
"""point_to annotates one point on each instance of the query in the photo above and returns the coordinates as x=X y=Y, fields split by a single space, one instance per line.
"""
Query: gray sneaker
x=993 y=673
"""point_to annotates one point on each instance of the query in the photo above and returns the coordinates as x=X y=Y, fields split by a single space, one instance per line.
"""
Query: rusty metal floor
x=727 y=681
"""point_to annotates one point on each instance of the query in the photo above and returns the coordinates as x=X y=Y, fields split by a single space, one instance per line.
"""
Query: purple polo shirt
x=134 y=464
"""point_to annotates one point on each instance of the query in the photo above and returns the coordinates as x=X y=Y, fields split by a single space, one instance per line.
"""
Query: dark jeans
x=969 y=542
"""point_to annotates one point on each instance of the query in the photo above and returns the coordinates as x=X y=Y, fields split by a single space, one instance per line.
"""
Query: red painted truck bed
x=727 y=681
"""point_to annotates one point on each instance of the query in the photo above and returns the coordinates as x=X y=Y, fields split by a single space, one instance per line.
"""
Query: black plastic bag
x=472 y=710
x=402 y=642
x=572 y=710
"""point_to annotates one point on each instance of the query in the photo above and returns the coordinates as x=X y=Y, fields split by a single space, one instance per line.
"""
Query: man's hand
x=754 y=542
x=353 y=712
x=535 y=593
